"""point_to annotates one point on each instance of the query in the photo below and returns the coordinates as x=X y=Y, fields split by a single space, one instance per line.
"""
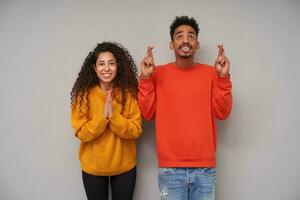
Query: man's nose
x=185 y=40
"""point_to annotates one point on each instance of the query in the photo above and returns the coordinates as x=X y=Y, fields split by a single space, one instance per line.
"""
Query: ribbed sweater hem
x=187 y=163
x=95 y=172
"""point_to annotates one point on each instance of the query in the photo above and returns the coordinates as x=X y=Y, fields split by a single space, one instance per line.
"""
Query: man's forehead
x=184 y=28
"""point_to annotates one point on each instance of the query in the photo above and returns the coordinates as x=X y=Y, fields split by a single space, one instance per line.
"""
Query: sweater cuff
x=146 y=82
x=224 y=81
x=116 y=121
x=100 y=123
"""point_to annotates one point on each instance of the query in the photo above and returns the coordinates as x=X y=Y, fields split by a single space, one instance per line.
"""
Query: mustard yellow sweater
x=108 y=146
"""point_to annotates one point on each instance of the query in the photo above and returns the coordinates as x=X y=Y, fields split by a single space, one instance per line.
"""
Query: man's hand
x=147 y=65
x=222 y=63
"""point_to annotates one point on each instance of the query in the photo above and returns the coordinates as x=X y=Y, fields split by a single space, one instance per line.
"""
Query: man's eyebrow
x=178 y=32
x=190 y=32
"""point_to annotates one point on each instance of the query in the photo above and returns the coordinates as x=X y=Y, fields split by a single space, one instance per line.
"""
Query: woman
x=107 y=120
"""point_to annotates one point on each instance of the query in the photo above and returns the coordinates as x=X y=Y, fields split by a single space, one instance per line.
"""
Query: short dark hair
x=183 y=20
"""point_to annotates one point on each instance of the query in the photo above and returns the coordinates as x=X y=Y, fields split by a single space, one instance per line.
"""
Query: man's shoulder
x=199 y=66
x=163 y=66
x=206 y=66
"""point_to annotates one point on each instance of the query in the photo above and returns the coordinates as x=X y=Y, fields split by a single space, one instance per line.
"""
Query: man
x=185 y=97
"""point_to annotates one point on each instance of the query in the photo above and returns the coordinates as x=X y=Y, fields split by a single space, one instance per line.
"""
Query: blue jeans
x=187 y=183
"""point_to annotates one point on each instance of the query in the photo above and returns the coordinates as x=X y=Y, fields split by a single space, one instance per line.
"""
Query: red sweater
x=185 y=103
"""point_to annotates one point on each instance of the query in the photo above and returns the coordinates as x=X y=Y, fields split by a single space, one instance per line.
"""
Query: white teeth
x=106 y=75
x=185 y=49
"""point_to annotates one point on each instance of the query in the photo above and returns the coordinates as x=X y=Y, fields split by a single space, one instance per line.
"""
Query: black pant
x=122 y=186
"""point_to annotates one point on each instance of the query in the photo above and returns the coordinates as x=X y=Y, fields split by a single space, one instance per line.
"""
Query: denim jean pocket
x=165 y=171
x=210 y=171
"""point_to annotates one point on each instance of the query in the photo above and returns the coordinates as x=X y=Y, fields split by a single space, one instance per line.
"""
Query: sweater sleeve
x=222 y=96
x=128 y=127
x=146 y=97
x=87 y=129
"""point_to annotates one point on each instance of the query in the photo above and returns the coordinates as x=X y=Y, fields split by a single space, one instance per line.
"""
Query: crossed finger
x=148 y=60
x=221 y=53
x=149 y=51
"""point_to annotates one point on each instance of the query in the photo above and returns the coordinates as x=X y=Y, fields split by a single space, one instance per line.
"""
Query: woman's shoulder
x=96 y=91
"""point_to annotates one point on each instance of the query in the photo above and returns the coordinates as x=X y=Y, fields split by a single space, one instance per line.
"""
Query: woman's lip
x=107 y=75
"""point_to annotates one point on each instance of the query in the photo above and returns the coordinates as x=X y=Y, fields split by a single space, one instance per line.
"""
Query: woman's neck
x=106 y=86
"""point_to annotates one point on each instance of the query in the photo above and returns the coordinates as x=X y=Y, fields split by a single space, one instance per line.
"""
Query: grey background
x=44 y=43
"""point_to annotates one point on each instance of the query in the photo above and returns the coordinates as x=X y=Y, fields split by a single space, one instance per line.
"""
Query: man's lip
x=185 y=47
x=188 y=46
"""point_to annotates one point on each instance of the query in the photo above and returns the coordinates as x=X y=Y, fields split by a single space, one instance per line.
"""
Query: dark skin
x=185 y=36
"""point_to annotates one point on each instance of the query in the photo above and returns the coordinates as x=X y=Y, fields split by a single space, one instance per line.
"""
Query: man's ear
x=171 y=45
x=198 y=45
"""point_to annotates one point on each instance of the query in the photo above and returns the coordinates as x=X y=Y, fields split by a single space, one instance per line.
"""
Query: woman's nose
x=106 y=67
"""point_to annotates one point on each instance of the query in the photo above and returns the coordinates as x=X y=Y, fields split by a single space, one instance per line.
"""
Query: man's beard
x=185 y=56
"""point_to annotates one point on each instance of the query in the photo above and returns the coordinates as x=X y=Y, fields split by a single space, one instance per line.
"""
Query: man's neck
x=184 y=62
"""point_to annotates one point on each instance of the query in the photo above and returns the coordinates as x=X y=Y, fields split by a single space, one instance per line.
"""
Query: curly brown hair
x=125 y=80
